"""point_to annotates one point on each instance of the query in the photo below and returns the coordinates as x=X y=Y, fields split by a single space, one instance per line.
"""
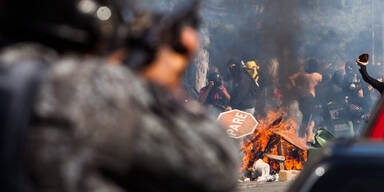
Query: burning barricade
x=272 y=148
x=275 y=142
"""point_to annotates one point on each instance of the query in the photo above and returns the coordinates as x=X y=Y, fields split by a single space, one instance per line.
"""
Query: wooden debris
x=276 y=157
x=285 y=175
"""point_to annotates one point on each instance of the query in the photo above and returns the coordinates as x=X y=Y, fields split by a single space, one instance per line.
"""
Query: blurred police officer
x=175 y=145
x=37 y=37
x=72 y=123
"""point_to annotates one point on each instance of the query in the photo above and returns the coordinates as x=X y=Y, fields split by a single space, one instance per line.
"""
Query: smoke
x=267 y=31
x=280 y=31
x=282 y=35
x=333 y=31
x=337 y=28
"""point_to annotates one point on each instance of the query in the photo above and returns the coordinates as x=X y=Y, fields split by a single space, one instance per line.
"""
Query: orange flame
x=274 y=136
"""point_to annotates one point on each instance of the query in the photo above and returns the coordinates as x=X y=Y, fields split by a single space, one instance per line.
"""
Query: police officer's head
x=149 y=31
x=76 y=25
x=159 y=45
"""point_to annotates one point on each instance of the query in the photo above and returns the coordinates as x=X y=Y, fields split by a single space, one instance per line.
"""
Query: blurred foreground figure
x=173 y=146
x=43 y=108
x=72 y=122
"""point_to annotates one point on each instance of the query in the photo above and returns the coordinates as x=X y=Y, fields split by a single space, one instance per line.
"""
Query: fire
x=275 y=137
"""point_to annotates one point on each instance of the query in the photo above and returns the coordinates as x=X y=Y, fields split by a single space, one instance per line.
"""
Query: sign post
x=238 y=123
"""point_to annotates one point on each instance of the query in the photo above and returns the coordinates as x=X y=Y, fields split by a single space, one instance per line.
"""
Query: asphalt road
x=262 y=187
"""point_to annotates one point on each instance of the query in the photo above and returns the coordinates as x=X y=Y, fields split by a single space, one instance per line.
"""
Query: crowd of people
x=328 y=97
x=245 y=89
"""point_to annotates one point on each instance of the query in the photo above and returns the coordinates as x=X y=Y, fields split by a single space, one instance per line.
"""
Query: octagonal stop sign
x=238 y=123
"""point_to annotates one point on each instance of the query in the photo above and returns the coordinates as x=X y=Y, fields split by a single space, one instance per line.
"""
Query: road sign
x=238 y=123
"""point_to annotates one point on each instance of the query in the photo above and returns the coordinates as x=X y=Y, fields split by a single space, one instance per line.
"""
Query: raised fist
x=363 y=59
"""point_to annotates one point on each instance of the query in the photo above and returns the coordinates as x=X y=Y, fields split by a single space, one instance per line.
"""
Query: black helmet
x=61 y=24
x=215 y=77
x=148 y=30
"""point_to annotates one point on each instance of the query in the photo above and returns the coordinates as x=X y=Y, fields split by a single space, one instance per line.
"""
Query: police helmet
x=60 y=24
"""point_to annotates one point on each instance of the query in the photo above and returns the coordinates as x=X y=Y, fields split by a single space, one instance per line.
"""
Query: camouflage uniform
x=99 y=127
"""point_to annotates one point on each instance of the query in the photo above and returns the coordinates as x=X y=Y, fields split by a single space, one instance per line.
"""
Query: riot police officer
x=71 y=122
x=34 y=36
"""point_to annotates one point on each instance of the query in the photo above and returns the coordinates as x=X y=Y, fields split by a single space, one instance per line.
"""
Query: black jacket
x=90 y=131
x=373 y=82
x=244 y=91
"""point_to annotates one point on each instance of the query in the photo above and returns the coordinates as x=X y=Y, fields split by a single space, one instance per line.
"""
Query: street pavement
x=262 y=187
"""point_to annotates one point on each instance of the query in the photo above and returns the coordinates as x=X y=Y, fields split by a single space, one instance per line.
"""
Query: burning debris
x=275 y=143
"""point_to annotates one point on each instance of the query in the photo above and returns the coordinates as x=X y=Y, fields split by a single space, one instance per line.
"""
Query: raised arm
x=372 y=81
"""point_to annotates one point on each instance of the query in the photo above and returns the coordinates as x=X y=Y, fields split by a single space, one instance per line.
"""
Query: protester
x=379 y=86
x=339 y=109
x=357 y=100
x=305 y=83
x=253 y=70
x=244 y=89
x=215 y=95
x=100 y=127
